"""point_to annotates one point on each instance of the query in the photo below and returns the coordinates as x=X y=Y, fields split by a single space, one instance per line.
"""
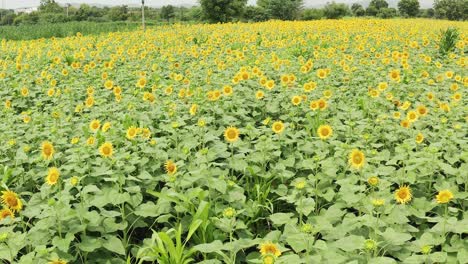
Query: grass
x=28 y=32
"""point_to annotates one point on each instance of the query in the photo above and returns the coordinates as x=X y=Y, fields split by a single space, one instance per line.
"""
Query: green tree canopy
x=409 y=8
x=222 y=10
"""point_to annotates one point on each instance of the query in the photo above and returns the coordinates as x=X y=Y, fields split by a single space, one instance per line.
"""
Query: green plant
x=448 y=40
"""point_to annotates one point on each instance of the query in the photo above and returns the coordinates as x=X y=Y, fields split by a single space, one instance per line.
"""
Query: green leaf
x=114 y=244
x=89 y=244
x=395 y=238
x=210 y=247
x=148 y=209
x=350 y=243
x=282 y=218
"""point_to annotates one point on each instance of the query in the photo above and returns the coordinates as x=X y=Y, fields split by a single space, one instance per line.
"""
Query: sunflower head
x=106 y=149
x=47 y=150
x=94 y=125
x=132 y=132
x=170 y=167
x=231 y=134
x=269 y=248
x=53 y=175
x=419 y=138
x=277 y=127
x=403 y=194
x=356 y=159
x=6 y=212
x=11 y=200
x=444 y=196
x=324 y=131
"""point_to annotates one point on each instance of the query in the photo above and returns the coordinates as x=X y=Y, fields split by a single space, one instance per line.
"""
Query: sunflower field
x=332 y=141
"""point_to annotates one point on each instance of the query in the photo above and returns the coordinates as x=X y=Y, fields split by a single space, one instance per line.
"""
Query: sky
x=12 y=4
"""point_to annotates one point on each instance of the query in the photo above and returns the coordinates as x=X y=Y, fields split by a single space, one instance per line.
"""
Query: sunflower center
x=357 y=159
x=325 y=132
x=12 y=201
x=402 y=194
x=231 y=134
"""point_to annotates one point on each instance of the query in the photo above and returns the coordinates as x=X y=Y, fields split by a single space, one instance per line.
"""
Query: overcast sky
x=11 y=4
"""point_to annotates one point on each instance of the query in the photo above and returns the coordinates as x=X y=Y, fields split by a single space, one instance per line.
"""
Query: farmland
x=331 y=141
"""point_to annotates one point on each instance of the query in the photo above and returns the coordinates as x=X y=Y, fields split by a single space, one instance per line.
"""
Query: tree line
x=215 y=11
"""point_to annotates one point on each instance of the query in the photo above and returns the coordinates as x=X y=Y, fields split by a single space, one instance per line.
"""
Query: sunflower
x=89 y=101
x=11 y=200
x=277 y=127
x=324 y=131
x=321 y=73
x=403 y=194
x=356 y=159
x=322 y=104
x=296 y=100
x=270 y=84
x=421 y=110
x=109 y=84
x=419 y=138
x=373 y=181
x=47 y=150
x=227 y=90
x=24 y=91
x=259 y=94
x=94 y=125
x=6 y=212
x=412 y=116
x=193 y=109
x=444 y=196
x=405 y=123
x=53 y=175
x=141 y=83
x=313 y=105
x=269 y=248
x=90 y=141
x=106 y=126
x=395 y=75
x=106 y=149
x=170 y=167
x=231 y=134
x=132 y=132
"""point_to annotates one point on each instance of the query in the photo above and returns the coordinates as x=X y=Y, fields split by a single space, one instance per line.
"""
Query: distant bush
x=387 y=13
x=255 y=14
x=335 y=11
x=312 y=14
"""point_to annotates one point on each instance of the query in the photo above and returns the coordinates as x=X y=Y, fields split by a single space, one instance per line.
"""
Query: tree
x=50 y=6
x=378 y=4
x=312 y=14
x=282 y=9
x=387 y=12
x=167 y=12
x=255 y=13
x=451 y=9
x=409 y=8
x=222 y=10
x=335 y=11
x=358 y=10
x=118 y=13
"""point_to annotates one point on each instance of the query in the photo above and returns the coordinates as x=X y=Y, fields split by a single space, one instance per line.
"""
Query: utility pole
x=143 y=14
x=68 y=5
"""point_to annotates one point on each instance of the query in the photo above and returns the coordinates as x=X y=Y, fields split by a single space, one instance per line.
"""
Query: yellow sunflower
x=58 y=261
x=444 y=196
x=403 y=194
x=269 y=248
x=277 y=127
x=231 y=134
x=170 y=167
x=47 y=150
x=132 y=132
x=53 y=175
x=419 y=138
x=6 y=212
x=296 y=100
x=106 y=149
x=11 y=200
x=94 y=125
x=356 y=159
x=324 y=131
